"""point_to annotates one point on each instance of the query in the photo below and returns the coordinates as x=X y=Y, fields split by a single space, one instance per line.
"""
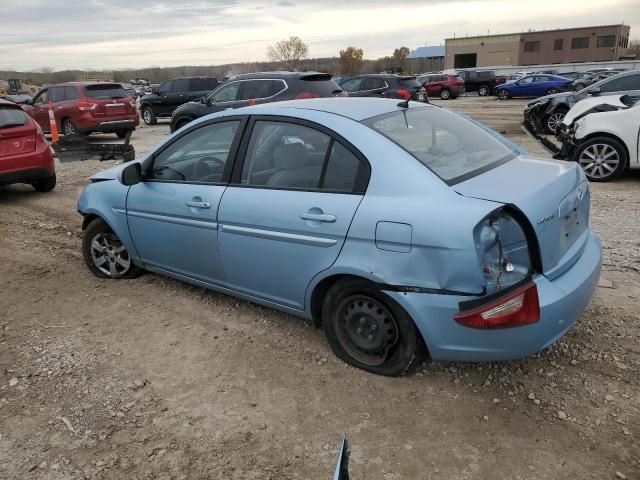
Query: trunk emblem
x=16 y=144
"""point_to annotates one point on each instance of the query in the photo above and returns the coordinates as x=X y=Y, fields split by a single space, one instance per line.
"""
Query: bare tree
x=351 y=61
x=288 y=52
x=634 y=48
x=399 y=57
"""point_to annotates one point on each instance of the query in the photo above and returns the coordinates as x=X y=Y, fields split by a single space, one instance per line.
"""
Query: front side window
x=42 y=98
x=56 y=94
x=292 y=156
x=226 y=93
x=525 y=80
x=453 y=147
x=165 y=87
x=606 y=41
x=199 y=156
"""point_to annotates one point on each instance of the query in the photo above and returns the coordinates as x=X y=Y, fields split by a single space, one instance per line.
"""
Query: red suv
x=85 y=107
x=443 y=86
x=25 y=155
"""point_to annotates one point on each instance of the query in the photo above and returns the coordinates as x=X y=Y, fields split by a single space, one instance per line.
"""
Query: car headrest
x=290 y=157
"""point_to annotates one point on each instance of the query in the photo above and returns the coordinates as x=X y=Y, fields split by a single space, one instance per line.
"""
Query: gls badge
x=546 y=219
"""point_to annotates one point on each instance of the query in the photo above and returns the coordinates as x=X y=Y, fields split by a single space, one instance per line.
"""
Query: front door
x=39 y=109
x=286 y=214
x=173 y=213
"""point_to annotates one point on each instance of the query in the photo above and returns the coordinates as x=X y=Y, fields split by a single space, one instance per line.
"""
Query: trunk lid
x=553 y=195
x=17 y=132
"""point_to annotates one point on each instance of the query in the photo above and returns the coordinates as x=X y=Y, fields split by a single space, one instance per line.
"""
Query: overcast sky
x=111 y=34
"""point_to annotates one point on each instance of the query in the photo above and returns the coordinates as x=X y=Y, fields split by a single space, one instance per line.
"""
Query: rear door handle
x=319 y=217
x=198 y=204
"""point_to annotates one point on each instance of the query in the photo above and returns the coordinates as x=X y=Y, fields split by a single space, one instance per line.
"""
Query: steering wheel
x=207 y=166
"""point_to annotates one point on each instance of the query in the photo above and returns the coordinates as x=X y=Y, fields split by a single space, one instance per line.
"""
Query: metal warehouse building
x=569 y=45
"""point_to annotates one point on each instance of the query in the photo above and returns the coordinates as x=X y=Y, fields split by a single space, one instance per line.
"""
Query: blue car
x=535 y=85
x=384 y=222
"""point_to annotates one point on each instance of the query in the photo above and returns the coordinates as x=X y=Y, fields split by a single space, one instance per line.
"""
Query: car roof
x=357 y=109
x=279 y=74
x=80 y=84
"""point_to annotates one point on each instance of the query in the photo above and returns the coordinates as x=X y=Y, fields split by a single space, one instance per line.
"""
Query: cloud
x=109 y=34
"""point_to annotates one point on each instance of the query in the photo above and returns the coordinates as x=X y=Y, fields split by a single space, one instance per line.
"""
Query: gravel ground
x=152 y=378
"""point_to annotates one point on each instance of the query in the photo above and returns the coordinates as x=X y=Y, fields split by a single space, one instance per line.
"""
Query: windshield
x=12 y=117
x=451 y=146
x=107 y=90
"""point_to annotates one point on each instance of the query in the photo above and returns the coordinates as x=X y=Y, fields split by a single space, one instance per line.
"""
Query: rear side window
x=12 y=117
x=353 y=85
x=181 y=85
x=344 y=171
x=71 y=93
x=202 y=84
x=253 y=89
x=56 y=94
x=322 y=85
x=374 y=84
x=105 y=91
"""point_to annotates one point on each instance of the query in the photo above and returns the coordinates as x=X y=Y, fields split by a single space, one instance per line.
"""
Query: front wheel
x=601 y=158
x=552 y=91
x=104 y=253
x=367 y=329
x=503 y=94
x=483 y=90
x=68 y=127
x=555 y=120
x=445 y=94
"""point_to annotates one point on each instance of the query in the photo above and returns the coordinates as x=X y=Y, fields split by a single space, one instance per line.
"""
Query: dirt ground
x=155 y=379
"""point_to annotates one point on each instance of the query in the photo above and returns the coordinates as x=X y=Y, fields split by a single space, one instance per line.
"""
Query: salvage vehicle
x=385 y=85
x=387 y=223
x=169 y=95
x=584 y=82
x=533 y=86
x=84 y=108
x=442 y=85
x=258 y=88
x=482 y=81
x=25 y=155
x=601 y=135
x=546 y=113
x=575 y=75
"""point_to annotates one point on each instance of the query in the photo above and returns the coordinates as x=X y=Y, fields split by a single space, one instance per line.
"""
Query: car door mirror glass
x=131 y=174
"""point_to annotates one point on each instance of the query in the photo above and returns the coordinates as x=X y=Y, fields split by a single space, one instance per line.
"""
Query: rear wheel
x=552 y=91
x=601 y=158
x=483 y=90
x=68 y=127
x=368 y=329
x=445 y=94
x=104 y=253
x=148 y=116
x=45 y=184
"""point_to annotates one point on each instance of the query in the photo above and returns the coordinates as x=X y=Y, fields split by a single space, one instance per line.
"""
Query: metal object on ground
x=74 y=147
x=342 y=464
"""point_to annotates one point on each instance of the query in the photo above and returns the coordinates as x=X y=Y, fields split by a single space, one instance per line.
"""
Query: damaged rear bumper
x=562 y=302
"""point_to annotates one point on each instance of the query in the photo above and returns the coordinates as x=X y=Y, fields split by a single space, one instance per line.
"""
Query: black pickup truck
x=170 y=94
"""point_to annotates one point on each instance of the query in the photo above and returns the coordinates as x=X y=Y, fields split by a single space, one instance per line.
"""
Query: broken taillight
x=520 y=307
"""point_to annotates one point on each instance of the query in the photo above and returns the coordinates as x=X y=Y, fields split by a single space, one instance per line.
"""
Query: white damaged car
x=602 y=134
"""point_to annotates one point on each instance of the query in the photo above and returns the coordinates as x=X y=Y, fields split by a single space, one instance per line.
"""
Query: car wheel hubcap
x=147 y=116
x=445 y=94
x=554 y=121
x=367 y=330
x=483 y=91
x=109 y=255
x=599 y=160
x=68 y=128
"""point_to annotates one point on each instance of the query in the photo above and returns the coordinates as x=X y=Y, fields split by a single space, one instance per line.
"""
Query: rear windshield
x=12 y=117
x=323 y=85
x=105 y=90
x=409 y=82
x=453 y=147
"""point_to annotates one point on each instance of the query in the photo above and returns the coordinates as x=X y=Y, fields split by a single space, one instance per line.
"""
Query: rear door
x=173 y=213
x=282 y=219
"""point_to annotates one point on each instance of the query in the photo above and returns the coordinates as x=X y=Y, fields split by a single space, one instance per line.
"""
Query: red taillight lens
x=518 y=308
x=306 y=95
x=403 y=94
x=86 y=106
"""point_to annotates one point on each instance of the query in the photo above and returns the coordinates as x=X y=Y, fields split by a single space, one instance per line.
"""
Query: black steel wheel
x=368 y=329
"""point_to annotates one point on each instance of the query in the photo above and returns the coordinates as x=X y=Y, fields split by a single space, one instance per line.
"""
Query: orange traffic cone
x=55 y=136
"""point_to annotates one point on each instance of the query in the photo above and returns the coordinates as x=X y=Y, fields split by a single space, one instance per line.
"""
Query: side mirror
x=595 y=91
x=131 y=174
x=204 y=99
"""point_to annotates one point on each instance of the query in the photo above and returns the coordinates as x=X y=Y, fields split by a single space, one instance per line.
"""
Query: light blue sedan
x=384 y=222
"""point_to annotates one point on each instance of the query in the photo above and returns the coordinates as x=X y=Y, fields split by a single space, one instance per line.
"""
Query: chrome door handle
x=319 y=217
x=198 y=204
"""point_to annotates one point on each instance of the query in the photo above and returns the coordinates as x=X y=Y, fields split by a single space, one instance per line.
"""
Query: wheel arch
x=612 y=136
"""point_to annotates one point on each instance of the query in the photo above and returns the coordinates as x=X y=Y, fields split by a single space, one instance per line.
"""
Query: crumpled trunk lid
x=553 y=195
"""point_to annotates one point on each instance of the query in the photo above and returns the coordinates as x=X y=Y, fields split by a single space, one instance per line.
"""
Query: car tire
x=181 y=122
x=552 y=121
x=503 y=94
x=552 y=91
x=367 y=329
x=68 y=127
x=44 y=184
x=601 y=158
x=445 y=94
x=122 y=133
x=104 y=253
x=148 y=116
x=483 y=90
